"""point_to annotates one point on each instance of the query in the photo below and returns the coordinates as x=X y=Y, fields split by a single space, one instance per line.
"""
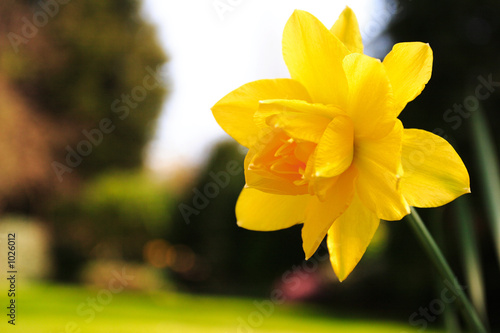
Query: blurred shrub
x=125 y=200
x=116 y=214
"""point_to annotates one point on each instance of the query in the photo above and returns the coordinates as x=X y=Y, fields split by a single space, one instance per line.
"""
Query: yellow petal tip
x=341 y=277
x=348 y=9
x=298 y=11
x=307 y=252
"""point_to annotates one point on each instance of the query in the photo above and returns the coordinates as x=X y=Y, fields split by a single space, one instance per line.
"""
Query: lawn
x=44 y=308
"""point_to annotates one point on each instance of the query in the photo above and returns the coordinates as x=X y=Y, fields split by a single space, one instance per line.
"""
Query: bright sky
x=213 y=52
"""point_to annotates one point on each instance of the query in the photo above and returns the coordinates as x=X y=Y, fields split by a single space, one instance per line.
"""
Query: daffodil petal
x=314 y=56
x=321 y=214
x=261 y=211
x=335 y=149
x=317 y=186
x=349 y=236
x=346 y=28
x=299 y=126
x=299 y=119
x=301 y=106
x=434 y=174
x=370 y=103
x=235 y=112
x=409 y=67
x=378 y=163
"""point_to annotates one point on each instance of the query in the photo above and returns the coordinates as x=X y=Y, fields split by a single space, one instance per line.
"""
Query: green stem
x=472 y=260
x=450 y=314
x=486 y=154
x=445 y=271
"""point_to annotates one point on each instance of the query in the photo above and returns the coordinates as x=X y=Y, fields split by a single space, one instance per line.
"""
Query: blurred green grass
x=48 y=308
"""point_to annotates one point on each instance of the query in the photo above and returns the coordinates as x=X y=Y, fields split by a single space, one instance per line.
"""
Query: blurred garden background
x=120 y=187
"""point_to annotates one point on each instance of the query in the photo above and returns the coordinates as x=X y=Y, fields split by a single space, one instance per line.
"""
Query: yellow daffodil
x=326 y=148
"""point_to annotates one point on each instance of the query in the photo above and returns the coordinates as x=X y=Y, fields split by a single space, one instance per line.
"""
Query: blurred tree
x=92 y=69
x=80 y=91
x=25 y=147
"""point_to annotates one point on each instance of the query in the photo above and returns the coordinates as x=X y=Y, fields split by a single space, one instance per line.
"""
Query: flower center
x=279 y=161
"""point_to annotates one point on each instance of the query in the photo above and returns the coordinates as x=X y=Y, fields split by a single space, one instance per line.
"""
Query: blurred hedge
x=117 y=213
